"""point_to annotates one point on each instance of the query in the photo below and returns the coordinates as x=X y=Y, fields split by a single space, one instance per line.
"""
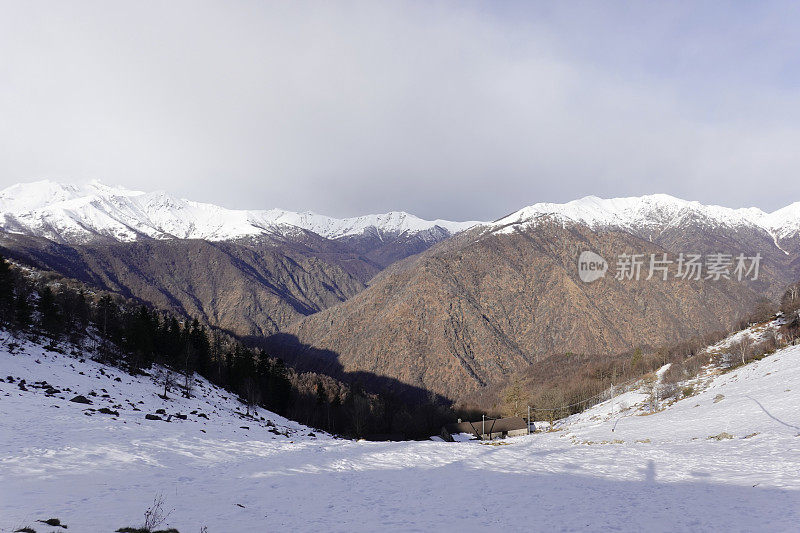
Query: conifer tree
x=49 y=316
x=6 y=289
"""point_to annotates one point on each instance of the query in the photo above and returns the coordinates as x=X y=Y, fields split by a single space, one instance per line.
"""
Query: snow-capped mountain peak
x=648 y=212
x=77 y=213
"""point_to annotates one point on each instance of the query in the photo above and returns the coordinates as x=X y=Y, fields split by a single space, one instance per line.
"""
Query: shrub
x=154 y=516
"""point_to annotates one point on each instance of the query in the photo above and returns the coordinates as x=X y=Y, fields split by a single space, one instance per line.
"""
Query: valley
x=450 y=308
x=399 y=267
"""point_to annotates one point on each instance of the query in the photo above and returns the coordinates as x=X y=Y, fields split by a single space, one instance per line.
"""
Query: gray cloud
x=451 y=110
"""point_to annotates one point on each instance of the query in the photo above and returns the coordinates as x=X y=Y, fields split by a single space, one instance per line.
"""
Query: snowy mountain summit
x=75 y=214
x=655 y=212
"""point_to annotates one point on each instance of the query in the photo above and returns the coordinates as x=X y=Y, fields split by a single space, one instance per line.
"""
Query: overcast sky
x=454 y=110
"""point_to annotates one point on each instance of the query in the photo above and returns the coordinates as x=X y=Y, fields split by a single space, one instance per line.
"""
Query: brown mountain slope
x=777 y=268
x=477 y=307
x=251 y=286
x=246 y=290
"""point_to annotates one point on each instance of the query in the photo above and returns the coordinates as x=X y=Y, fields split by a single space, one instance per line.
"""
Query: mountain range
x=448 y=307
x=80 y=214
x=250 y=272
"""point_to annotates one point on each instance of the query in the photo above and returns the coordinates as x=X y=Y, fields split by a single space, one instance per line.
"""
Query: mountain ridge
x=449 y=313
x=479 y=307
x=650 y=211
x=77 y=214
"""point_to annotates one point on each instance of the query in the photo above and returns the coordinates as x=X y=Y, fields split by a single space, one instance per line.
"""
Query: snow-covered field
x=657 y=472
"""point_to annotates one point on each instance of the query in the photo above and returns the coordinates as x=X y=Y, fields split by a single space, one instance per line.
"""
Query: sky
x=456 y=110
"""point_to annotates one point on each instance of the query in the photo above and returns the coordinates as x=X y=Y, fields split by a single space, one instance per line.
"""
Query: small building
x=488 y=429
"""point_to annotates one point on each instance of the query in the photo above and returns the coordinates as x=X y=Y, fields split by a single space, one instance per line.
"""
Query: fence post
x=529 y=420
x=612 y=400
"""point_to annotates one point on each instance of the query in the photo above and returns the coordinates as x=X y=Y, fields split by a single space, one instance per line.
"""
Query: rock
x=54 y=522
x=161 y=411
x=722 y=436
x=81 y=399
x=107 y=411
x=152 y=417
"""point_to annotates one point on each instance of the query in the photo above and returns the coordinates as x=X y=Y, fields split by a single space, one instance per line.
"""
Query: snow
x=652 y=212
x=463 y=437
x=785 y=222
x=79 y=213
x=656 y=471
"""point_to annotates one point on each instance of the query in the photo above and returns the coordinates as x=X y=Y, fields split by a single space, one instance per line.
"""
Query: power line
x=606 y=391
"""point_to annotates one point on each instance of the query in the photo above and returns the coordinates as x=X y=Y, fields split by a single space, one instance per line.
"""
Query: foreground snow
x=659 y=472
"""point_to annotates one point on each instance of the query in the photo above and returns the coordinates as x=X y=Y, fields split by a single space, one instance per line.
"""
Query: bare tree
x=360 y=414
x=188 y=383
x=653 y=391
x=771 y=340
x=743 y=347
x=252 y=393
x=188 y=376
x=155 y=515
x=789 y=335
x=166 y=377
x=791 y=299
x=552 y=403
x=516 y=398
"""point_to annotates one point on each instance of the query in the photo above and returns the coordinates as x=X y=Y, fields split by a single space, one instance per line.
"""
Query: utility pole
x=483 y=425
x=612 y=405
x=529 y=420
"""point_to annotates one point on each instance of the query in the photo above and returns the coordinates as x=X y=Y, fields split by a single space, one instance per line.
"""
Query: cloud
x=454 y=110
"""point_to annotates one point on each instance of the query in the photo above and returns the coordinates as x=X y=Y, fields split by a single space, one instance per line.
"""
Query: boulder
x=81 y=399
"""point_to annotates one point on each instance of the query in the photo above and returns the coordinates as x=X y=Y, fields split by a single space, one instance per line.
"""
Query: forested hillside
x=134 y=336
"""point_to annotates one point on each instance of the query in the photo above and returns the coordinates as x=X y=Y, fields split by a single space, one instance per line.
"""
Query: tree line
x=564 y=384
x=135 y=336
